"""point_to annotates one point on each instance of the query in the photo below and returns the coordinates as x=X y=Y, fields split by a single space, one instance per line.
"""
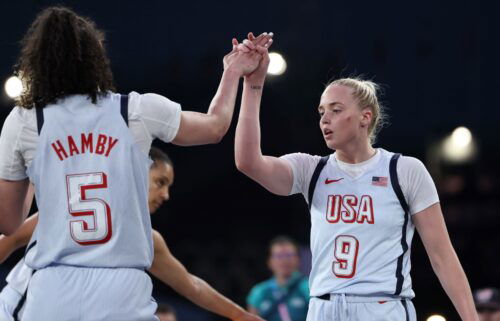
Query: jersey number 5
x=346 y=253
x=93 y=215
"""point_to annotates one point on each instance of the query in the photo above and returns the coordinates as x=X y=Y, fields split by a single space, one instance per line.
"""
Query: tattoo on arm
x=256 y=87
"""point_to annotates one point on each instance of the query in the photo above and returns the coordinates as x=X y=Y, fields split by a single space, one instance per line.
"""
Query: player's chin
x=330 y=143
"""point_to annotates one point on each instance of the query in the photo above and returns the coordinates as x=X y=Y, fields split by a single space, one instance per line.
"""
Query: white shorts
x=342 y=307
x=66 y=293
x=9 y=300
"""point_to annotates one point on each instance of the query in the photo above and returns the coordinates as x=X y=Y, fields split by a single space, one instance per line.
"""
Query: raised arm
x=15 y=202
x=199 y=128
x=273 y=173
x=170 y=271
x=432 y=230
x=18 y=239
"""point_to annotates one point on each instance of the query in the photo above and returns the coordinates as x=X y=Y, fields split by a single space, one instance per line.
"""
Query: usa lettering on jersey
x=100 y=144
x=350 y=209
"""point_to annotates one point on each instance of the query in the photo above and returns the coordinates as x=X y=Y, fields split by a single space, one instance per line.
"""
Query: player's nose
x=165 y=195
x=325 y=119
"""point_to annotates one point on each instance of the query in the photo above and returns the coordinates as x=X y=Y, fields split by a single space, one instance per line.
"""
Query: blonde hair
x=365 y=92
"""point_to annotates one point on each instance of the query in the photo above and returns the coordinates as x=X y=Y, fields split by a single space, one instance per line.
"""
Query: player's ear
x=366 y=117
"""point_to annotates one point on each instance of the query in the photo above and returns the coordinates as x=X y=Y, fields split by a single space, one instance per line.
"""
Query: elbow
x=194 y=291
x=220 y=131
x=216 y=135
x=244 y=165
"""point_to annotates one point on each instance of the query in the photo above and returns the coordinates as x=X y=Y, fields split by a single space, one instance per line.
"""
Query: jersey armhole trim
x=124 y=108
x=314 y=178
x=399 y=193
x=39 y=118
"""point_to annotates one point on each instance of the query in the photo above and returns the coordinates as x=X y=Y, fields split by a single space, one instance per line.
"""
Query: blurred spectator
x=487 y=302
x=284 y=297
x=165 y=312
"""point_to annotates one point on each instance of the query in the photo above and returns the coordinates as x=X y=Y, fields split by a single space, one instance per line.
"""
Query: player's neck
x=355 y=152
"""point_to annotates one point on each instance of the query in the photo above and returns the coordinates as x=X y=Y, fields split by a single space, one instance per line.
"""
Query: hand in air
x=260 y=45
x=245 y=59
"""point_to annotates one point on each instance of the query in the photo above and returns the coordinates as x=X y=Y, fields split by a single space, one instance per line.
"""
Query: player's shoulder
x=22 y=115
x=302 y=159
x=405 y=162
x=21 y=120
x=141 y=103
x=410 y=164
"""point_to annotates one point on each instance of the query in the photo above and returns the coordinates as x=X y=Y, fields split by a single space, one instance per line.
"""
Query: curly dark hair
x=62 y=54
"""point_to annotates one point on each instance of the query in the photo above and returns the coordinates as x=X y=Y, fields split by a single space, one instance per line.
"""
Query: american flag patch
x=379 y=181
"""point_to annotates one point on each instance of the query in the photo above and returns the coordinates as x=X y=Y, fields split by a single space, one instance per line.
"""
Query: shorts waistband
x=351 y=298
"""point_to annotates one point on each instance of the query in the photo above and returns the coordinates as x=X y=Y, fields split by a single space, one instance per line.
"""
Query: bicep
x=274 y=174
x=431 y=227
x=195 y=129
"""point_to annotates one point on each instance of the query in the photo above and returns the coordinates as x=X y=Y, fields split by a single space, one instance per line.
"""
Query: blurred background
x=436 y=66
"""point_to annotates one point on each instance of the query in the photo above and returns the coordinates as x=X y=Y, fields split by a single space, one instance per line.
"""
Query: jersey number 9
x=346 y=253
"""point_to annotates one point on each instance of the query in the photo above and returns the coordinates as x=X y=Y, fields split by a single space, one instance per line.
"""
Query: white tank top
x=91 y=187
x=358 y=227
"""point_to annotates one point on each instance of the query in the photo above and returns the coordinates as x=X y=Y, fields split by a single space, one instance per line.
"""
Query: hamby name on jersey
x=87 y=143
x=350 y=209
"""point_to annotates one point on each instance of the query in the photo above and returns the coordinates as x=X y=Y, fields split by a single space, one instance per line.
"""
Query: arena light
x=13 y=87
x=277 y=64
x=436 y=317
x=459 y=146
x=461 y=136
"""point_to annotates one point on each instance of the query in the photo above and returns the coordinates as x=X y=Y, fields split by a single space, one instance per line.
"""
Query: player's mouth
x=327 y=133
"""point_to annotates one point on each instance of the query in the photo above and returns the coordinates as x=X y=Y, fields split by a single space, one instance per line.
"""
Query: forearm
x=13 y=196
x=248 y=153
x=222 y=106
x=454 y=281
x=20 y=238
x=7 y=246
x=208 y=298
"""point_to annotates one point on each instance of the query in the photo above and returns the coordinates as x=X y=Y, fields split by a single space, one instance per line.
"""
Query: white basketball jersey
x=19 y=277
x=358 y=228
x=91 y=188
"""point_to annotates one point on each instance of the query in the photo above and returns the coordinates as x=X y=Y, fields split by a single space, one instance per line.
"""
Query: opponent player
x=364 y=204
x=165 y=266
x=69 y=135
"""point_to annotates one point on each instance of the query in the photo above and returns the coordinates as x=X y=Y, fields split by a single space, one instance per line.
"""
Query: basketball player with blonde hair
x=365 y=204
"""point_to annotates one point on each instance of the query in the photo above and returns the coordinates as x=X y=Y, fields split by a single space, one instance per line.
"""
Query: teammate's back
x=96 y=213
